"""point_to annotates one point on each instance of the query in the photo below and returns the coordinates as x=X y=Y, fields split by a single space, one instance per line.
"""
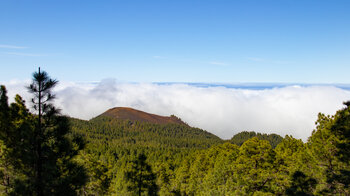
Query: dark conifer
x=55 y=171
x=39 y=147
x=142 y=179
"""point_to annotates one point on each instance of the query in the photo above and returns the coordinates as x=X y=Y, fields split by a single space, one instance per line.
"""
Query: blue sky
x=177 y=41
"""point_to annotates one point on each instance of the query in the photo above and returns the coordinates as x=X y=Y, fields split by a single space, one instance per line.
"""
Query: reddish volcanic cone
x=125 y=113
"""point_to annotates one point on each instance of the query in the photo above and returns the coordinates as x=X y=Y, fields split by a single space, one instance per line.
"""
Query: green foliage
x=38 y=150
x=301 y=185
x=115 y=133
x=16 y=134
x=184 y=165
x=42 y=154
x=241 y=137
x=289 y=158
x=100 y=172
x=166 y=146
x=254 y=167
x=7 y=173
x=329 y=146
x=140 y=178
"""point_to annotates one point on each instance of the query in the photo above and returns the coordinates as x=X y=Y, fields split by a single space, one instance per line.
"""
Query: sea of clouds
x=221 y=110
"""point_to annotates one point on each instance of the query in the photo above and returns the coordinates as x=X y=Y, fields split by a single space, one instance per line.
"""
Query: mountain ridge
x=127 y=113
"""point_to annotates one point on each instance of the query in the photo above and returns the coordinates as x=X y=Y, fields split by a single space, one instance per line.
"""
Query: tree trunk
x=39 y=188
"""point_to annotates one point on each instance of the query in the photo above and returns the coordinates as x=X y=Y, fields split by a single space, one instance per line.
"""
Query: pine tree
x=5 y=168
x=55 y=171
x=141 y=177
x=254 y=167
x=16 y=128
x=329 y=145
x=41 y=89
x=39 y=146
x=301 y=185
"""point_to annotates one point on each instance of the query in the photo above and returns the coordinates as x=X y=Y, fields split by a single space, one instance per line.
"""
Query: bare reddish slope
x=125 y=113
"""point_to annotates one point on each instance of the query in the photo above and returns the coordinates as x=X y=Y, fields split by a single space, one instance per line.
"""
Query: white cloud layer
x=223 y=111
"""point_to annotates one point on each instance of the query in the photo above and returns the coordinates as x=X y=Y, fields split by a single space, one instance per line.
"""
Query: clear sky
x=177 y=41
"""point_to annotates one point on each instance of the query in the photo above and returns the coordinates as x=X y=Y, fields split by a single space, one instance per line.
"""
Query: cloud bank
x=223 y=111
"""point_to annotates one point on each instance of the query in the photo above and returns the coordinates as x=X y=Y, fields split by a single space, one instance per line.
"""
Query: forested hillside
x=130 y=134
x=45 y=153
x=114 y=144
x=179 y=160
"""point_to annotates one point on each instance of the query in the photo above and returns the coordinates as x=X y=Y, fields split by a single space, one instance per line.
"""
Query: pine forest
x=46 y=153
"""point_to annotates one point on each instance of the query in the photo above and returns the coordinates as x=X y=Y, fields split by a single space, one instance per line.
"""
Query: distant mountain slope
x=118 y=133
x=124 y=113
